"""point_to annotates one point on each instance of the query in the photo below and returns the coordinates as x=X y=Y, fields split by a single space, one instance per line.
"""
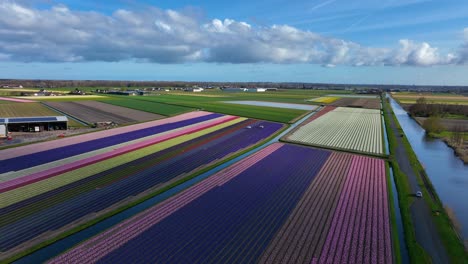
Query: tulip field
x=48 y=188
x=325 y=99
x=342 y=128
x=283 y=204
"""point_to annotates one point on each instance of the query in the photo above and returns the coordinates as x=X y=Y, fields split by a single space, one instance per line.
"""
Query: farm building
x=261 y=90
x=34 y=124
x=235 y=90
x=195 y=90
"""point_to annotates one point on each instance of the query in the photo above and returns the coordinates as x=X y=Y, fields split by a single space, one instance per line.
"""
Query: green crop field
x=148 y=106
x=213 y=104
x=30 y=110
x=25 y=110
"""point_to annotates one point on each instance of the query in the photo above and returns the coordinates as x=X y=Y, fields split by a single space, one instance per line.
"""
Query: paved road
x=425 y=229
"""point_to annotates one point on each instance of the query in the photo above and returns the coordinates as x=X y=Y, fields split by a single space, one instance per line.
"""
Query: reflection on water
x=447 y=172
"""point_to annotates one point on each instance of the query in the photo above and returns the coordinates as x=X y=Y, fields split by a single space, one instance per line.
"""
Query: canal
x=448 y=174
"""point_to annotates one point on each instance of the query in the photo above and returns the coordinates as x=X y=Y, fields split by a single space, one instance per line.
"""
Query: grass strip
x=395 y=240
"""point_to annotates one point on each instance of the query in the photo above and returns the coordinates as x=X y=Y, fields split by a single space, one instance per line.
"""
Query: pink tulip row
x=360 y=231
x=42 y=175
x=17 y=100
x=101 y=245
x=34 y=148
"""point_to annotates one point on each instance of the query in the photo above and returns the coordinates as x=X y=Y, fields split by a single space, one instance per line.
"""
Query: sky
x=320 y=41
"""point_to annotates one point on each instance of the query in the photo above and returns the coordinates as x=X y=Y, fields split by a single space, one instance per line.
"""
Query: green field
x=147 y=106
x=30 y=110
x=25 y=110
x=214 y=104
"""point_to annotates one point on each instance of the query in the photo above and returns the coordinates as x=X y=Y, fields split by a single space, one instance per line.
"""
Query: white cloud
x=422 y=54
x=463 y=51
x=167 y=36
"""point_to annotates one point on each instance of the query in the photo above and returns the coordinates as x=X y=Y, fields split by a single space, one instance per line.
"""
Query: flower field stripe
x=30 y=190
x=341 y=243
x=57 y=217
x=322 y=112
x=18 y=182
x=311 y=216
x=16 y=100
x=17 y=174
x=121 y=233
x=219 y=235
x=325 y=99
x=255 y=189
x=360 y=231
x=53 y=197
x=255 y=247
x=43 y=146
x=337 y=223
x=35 y=159
x=357 y=130
x=384 y=219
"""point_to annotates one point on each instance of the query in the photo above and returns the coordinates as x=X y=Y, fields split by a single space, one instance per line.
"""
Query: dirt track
x=92 y=112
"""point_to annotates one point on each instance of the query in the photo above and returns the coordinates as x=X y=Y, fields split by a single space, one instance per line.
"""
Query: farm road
x=425 y=229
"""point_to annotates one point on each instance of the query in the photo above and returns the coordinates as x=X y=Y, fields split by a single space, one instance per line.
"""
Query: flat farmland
x=151 y=107
x=63 y=97
x=59 y=185
x=410 y=98
x=325 y=99
x=270 y=207
x=92 y=112
x=370 y=103
x=215 y=104
x=25 y=110
x=15 y=100
x=275 y=105
x=343 y=128
x=448 y=124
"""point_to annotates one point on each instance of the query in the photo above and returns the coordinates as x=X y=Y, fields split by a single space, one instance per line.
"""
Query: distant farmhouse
x=11 y=86
x=128 y=93
x=194 y=89
x=251 y=90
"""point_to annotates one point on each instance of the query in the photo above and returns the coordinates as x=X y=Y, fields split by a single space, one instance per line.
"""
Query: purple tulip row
x=38 y=147
x=42 y=175
x=90 y=197
x=110 y=240
x=360 y=231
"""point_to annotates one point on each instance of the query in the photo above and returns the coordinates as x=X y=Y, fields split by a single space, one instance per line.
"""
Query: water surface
x=447 y=172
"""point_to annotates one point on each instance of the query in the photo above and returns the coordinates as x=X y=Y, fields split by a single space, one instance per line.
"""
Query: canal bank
x=428 y=229
x=447 y=173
